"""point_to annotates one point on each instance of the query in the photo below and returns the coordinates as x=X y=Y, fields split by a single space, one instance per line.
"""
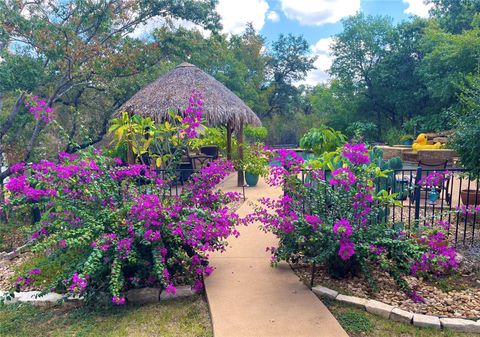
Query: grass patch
x=183 y=317
x=359 y=323
x=355 y=321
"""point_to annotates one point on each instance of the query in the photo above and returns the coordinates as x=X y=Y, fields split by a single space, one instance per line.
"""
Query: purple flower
x=356 y=153
x=313 y=221
x=343 y=177
x=39 y=109
x=79 y=283
x=34 y=271
x=118 y=300
x=124 y=246
x=347 y=249
x=342 y=227
x=151 y=235
x=17 y=167
x=170 y=289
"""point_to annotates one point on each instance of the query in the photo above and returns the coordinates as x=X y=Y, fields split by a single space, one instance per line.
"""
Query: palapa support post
x=229 y=141
x=130 y=154
x=240 y=179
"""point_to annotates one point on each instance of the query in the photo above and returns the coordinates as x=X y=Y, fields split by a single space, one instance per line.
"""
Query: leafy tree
x=363 y=44
x=448 y=59
x=70 y=50
x=453 y=15
x=290 y=61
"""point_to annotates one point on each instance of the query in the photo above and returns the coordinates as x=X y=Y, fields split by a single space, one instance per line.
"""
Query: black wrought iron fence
x=420 y=203
x=176 y=181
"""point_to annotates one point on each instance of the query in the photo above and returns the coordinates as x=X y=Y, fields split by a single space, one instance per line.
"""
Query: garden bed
x=453 y=296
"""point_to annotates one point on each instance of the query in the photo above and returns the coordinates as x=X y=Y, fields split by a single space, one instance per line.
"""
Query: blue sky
x=316 y=20
x=394 y=8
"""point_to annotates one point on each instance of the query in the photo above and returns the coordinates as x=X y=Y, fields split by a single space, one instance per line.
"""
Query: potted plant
x=465 y=140
x=254 y=163
x=407 y=139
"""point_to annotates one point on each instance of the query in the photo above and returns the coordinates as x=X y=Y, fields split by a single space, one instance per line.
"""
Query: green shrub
x=362 y=131
x=393 y=136
x=323 y=139
x=467 y=133
x=256 y=134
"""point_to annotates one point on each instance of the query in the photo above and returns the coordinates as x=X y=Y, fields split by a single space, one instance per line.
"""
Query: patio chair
x=428 y=168
x=211 y=151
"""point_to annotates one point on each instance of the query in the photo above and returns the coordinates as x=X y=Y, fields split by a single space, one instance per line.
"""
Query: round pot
x=470 y=196
x=408 y=142
x=251 y=179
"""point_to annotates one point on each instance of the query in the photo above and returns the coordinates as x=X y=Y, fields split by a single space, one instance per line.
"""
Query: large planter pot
x=251 y=179
x=470 y=196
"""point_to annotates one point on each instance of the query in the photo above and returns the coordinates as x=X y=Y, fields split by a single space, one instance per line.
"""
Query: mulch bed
x=454 y=296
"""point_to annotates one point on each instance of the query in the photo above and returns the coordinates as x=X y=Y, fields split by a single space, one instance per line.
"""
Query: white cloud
x=273 y=16
x=321 y=49
x=417 y=7
x=319 y=12
x=236 y=14
x=149 y=26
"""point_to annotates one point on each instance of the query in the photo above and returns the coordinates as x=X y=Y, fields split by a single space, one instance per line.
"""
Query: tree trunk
x=229 y=141
x=240 y=179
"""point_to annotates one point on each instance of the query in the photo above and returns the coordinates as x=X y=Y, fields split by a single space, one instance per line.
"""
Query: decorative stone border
x=399 y=315
x=135 y=296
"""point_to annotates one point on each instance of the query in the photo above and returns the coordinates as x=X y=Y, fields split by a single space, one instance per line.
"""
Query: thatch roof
x=172 y=90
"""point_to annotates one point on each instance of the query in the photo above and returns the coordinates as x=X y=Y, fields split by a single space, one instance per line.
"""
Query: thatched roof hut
x=172 y=91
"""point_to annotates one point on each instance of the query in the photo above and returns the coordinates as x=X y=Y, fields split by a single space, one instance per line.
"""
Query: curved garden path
x=247 y=297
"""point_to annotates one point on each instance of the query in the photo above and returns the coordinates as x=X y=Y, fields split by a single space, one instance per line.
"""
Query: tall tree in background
x=65 y=50
x=363 y=44
x=290 y=61
x=455 y=16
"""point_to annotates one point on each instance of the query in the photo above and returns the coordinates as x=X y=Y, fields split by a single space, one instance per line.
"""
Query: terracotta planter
x=470 y=196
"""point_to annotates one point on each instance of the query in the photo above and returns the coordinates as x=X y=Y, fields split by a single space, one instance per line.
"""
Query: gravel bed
x=455 y=296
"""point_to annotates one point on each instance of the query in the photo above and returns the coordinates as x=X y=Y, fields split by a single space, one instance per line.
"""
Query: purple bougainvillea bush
x=123 y=232
x=112 y=227
x=334 y=217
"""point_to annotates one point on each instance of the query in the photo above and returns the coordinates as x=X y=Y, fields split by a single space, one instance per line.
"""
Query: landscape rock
x=426 y=321
x=352 y=300
x=143 y=295
x=33 y=298
x=182 y=291
x=325 y=292
x=399 y=315
x=379 y=308
x=459 y=324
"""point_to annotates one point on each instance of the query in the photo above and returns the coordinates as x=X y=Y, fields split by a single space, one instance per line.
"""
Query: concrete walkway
x=247 y=297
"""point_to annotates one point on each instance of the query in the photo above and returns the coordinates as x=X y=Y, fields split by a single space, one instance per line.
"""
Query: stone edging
x=399 y=315
x=135 y=296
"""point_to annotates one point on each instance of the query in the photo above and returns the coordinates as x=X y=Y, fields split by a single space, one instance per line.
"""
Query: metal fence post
x=416 y=196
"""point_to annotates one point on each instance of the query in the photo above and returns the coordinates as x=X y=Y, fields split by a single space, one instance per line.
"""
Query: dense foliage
x=118 y=224
x=323 y=139
x=119 y=221
x=335 y=218
x=468 y=128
